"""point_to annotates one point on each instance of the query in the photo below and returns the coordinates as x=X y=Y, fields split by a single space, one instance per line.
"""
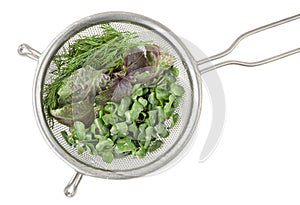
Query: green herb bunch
x=118 y=95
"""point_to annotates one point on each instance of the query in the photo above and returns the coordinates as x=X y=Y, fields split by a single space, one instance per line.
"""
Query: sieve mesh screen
x=129 y=164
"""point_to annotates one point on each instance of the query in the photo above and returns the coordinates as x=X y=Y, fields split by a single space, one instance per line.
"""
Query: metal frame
x=43 y=64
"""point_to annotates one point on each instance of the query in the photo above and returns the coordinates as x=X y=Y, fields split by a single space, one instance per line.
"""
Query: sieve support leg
x=72 y=186
x=26 y=50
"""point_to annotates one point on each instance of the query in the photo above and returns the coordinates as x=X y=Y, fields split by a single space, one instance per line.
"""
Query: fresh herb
x=118 y=95
x=103 y=51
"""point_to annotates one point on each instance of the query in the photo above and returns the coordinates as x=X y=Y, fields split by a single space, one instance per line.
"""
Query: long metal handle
x=239 y=39
x=25 y=50
x=72 y=186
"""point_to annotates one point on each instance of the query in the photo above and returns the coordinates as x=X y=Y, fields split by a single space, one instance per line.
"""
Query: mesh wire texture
x=128 y=164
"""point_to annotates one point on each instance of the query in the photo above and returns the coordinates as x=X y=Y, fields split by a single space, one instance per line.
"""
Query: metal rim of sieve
x=165 y=33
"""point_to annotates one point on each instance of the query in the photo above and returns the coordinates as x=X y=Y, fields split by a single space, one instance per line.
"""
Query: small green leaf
x=119 y=128
x=124 y=106
x=174 y=119
x=107 y=156
x=170 y=78
x=71 y=141
x=155 y=145
x=103 y=130
x=80 y=149
x=175 y=71
x=110 y=119
x=124 y=140
x=65 y=135
x=152 y=117
x=137 y=108
x=101 y=113
x=145 y=91
x=104 y=144
x=133 y=114
x=114 y=138
x=151 y=98
x=114 y=130
x=176 y=102
x=88 y=136
x=91 y=149
x=149 y=133
x=79 y=130
x=93 y=129
x=161 y=93
x=142 y=133
x=141 y=153
x=124 y=146
x=143 y=101
x=168 y=109
x=134 y=130
x=137 y=93
x=110 y=107
x=135 y=87
x=128 y=116
x=161 y=116
x=177 y=90
x=162 y=130
x=172 y=98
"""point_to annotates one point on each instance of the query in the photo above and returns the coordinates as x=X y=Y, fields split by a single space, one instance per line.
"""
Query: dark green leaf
x=103 y=130
x=65 y=135
x=80 y=148
x=174 y=119
x=155 y=145
x=175 y=71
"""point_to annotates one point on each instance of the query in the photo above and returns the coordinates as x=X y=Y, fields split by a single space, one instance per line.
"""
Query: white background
x=257 y=160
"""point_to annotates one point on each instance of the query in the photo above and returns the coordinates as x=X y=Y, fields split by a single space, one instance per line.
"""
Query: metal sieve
x=189 y=108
